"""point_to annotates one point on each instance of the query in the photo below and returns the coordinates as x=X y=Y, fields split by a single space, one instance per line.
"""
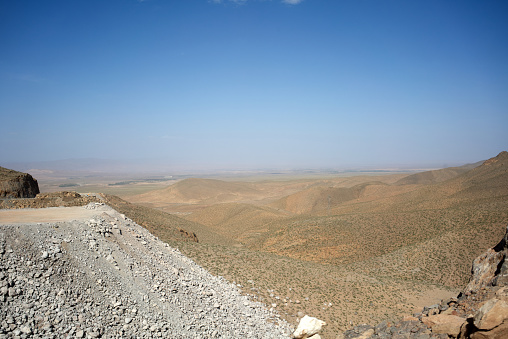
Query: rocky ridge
x=55 y=199
x=15 y=184
x=109 y=277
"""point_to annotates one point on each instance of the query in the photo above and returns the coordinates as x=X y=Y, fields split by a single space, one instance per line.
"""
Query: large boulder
x=491 y=320
x=445 y=323
x=490 y=268
x=15 y=184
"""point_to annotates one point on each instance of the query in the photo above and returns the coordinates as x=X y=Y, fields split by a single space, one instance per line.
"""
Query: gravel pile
x=109 y=277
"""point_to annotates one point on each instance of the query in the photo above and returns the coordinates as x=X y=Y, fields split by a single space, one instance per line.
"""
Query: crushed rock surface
x=107 y=277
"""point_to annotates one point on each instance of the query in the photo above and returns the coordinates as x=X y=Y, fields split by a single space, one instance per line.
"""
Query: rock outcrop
x=15 y=184
x=490 y=268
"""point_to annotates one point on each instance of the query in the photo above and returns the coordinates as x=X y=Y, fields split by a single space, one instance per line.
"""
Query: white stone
x=26 y=329
x=308 y=327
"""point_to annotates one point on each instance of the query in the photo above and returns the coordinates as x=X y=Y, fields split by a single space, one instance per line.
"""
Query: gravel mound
x=109 y=277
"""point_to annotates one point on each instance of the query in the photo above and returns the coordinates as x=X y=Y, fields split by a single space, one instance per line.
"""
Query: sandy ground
x=50 y=214
x=430 y=297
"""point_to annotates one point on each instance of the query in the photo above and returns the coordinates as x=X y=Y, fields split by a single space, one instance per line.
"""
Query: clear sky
x=254 y=83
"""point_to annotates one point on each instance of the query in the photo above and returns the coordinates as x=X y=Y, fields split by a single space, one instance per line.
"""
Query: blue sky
x=254 y=83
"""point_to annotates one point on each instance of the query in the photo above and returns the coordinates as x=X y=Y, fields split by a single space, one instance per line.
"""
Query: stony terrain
x=15 y=184
x=109 y=277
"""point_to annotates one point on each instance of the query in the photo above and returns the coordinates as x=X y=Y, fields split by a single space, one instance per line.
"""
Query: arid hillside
x=194 y=193
x=241 y=222
x=428 y=226
x=348 y=250
x=378 y=246
x=436 y=176
x=205 y=191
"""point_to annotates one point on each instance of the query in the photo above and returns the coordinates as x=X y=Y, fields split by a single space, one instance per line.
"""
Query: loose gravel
x=109 y=277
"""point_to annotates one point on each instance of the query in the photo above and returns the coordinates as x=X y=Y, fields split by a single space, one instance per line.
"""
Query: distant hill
x=319 y=198
x=440 y=218
x=436 y=176
x=204 y=191
x=166 y=226
x=486 y=181
x=241 y=222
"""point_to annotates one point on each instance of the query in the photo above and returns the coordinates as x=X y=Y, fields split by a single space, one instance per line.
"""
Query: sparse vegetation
x=68 y=185
x=350 y=250
x=376 y=250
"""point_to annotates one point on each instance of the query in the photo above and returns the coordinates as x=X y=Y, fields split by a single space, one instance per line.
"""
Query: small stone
x=80 y=334
x=45 y=254
x=4 y=290
x=94 y=334
x=25 y=329
x=128 y=320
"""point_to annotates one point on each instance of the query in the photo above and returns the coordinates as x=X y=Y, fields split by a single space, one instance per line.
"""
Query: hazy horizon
x=154 y=167
x=251 y=84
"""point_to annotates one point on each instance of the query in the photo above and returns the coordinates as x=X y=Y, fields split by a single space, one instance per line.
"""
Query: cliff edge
x=14 y=184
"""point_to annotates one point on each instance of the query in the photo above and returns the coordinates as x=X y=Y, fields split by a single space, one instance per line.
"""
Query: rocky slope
x=109 y=277
x=15 y=184
x=480 y=311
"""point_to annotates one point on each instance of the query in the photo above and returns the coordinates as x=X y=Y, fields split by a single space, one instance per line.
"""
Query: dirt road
x=50 y=214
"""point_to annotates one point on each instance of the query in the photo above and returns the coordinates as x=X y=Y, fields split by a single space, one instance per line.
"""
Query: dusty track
x=49 y=214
